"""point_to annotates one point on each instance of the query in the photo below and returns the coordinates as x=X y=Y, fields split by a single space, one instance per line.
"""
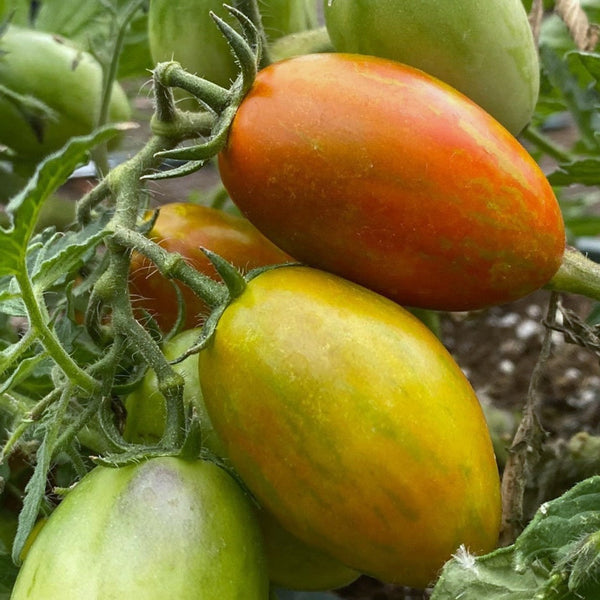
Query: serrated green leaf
x=542 y=563
x=573 y=82
x=585 y=172
x=33 y=366
x=34 y=494
x=492 y=577
x=65 y=252
x=559 y=524
x=24 y=208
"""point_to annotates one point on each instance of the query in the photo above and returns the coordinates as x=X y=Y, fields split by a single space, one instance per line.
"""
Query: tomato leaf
x=560 y=525
x=589 y=61
x=34 y=494
x=65 y=252
x=29 y=367
x=24 y=208
x=573 y=81
x=585 y=171
x=10 y=298
x=558 y=551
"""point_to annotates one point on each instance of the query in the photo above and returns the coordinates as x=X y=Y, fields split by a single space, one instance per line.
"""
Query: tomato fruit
x=69 y=81
x=484 y=49
x=164 y=528
x=283 y=18
x=406 y=187
x=294 y=565
x=185 y=228
x=351 y=424
x=291 y=563
x=190 y=36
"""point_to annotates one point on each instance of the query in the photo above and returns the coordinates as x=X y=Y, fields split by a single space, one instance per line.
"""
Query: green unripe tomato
x=51 y=70
x=189 y=35
x=294 y=565
x=483 y=49
x=282 y=17
x=164 y=528
x=291 y=563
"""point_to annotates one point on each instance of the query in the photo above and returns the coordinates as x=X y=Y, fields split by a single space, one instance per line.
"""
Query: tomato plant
x=351 y=443
x=407 y=187
x=146 y=409
x=187 y=228
x=452 y=42
x=53 y=92
x=291 y=563
x=163 y=528
x=354 y=428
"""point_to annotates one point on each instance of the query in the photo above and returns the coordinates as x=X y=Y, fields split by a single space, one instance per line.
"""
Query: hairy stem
x=172 y=266
x=39 y=323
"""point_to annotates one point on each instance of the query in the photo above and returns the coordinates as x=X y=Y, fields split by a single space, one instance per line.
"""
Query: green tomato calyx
x=247 y=49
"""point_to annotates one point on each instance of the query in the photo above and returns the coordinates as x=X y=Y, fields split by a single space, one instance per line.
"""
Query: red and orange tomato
x=351 y=424
x=386 y=176
x=186 y=228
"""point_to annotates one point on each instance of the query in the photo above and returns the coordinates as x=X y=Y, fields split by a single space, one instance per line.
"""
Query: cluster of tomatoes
x=360 y=438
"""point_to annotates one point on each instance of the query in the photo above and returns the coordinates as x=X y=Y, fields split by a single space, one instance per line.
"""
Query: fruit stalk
x=577 y=274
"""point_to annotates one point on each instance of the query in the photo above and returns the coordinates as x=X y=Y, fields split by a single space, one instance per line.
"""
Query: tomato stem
x=172 y=74
x=577 y=274
x=546 y=145
x=526 y=447
x=173 y=266
x=304 y=42
x=39 y=321
x=247 y=48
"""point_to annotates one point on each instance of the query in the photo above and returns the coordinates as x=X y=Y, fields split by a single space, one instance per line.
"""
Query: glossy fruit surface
x=291 y=563
x=165 y=528
x=352 y=424
x=68 y=81
x=484 y=49
x=405 y=187
x=185 y=228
